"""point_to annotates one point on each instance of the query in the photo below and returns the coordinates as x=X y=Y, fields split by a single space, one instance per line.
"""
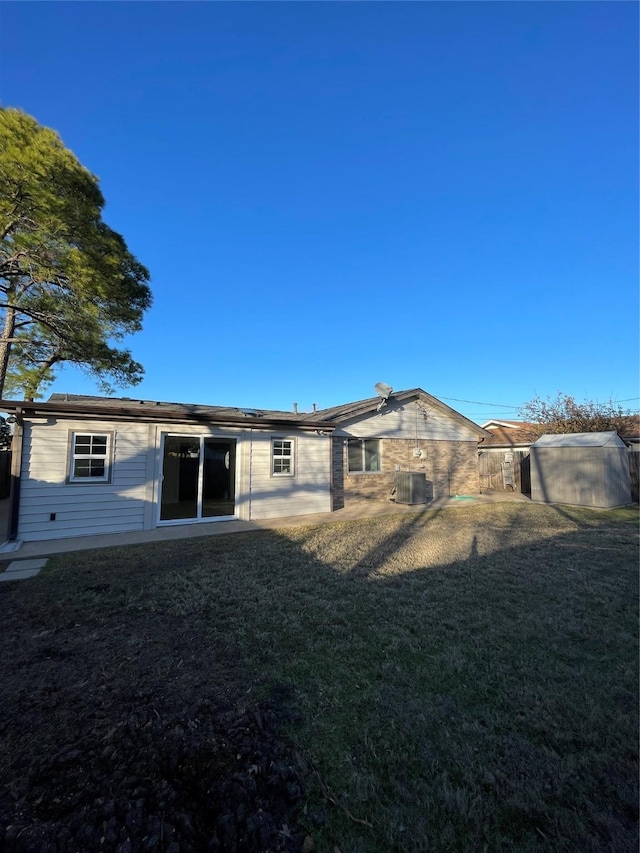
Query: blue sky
x=328 y=195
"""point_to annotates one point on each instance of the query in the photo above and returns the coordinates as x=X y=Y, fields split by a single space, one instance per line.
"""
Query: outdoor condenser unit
x=411 y=487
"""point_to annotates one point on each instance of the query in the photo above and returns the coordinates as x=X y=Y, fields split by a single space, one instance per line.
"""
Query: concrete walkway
x=34 y=550
x=19 y=570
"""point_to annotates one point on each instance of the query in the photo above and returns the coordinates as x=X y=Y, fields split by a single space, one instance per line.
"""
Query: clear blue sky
x=328 y=195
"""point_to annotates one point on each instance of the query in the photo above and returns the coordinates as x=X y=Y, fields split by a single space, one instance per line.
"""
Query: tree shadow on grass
x=466 y=678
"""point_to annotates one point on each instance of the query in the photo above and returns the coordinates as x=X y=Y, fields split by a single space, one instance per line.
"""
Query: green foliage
x=564 y=414
x=69 y=287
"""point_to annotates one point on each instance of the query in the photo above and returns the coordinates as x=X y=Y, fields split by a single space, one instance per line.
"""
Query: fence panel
x=634 y=470
x=491 y=470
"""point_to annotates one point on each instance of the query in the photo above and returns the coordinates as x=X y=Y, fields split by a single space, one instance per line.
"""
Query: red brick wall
x=450 y=466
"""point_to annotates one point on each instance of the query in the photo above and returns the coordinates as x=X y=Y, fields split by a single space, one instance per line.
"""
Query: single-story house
x=86 y=465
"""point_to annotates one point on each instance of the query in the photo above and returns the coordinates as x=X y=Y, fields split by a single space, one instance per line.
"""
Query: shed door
x=198 y=478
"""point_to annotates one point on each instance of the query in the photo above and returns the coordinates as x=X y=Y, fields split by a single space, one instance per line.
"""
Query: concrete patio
x=33 y=550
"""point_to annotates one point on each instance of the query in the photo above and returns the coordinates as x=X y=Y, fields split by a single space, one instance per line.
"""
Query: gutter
x=158 y=414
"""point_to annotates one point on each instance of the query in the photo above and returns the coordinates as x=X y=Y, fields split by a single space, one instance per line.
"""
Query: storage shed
x=584 y=468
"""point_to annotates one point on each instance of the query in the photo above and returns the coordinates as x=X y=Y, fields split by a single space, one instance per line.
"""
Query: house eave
x=349 y=412
x=518 y=445
x=152 y=413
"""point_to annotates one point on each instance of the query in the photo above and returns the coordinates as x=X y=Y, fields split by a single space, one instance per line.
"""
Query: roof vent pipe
x=295 y=408
x=315 y=408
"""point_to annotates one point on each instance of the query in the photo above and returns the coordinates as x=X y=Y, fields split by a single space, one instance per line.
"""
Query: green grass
x=467 y=677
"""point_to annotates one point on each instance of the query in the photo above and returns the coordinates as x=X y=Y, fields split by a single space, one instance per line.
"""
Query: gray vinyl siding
x=129 y=502
x=258 y=494
x=80 y=508
x=308 y=491
x=403 y=421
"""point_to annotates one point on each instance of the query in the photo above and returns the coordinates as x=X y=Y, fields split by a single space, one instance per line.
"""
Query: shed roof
x=580 y=439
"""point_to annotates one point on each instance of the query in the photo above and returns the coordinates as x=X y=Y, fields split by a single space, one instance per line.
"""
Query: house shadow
x=442 y=667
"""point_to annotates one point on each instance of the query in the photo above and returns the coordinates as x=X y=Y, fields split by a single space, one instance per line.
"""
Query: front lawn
x=458 y=679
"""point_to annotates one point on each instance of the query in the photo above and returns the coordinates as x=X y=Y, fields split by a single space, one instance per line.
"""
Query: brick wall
x=450 y=466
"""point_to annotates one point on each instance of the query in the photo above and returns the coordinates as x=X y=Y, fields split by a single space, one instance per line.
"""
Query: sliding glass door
x=198 y=477
x=218 y=477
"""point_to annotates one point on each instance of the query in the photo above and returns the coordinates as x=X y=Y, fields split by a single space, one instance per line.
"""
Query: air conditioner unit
x=411 y=487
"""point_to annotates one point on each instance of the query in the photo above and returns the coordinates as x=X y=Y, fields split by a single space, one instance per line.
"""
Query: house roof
x=126 y=408
x=348 y=411
x=502 y=423
x=580 y=439
x=522 y=434
x=509 y=434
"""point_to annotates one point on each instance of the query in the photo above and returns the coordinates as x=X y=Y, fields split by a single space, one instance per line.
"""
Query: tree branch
x=9 y=228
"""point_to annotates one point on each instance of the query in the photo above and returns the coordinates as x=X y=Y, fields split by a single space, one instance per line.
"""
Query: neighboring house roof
x=349 y=411
x=580 y=439
x=522 y=434
x=509 y=434
x=492 y=424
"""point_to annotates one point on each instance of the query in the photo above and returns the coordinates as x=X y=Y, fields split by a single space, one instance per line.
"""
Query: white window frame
x=362 y=443
x=74 y=456
x=281 y=456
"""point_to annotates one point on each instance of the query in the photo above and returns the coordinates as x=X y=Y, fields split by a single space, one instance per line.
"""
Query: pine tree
x=69 y=287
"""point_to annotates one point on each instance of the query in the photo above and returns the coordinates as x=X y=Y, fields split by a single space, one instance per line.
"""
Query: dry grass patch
x=467 y=677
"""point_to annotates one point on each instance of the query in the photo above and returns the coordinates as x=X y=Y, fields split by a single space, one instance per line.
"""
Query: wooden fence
x=508 y=471
x=634 y=470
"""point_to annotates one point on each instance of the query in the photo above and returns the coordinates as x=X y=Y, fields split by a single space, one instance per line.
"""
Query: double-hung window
x=363 y=455
x=282 y=457
x=90 y=457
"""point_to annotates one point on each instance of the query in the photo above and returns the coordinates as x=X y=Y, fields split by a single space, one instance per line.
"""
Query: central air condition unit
x=411 y=487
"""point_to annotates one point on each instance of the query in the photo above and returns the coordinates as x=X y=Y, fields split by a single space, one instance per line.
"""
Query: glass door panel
x=180 y=475
x=218 y=481
x=198 y=477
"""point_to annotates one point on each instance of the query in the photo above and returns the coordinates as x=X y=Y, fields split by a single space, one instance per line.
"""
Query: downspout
x=250 y=477
x=16 y=476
